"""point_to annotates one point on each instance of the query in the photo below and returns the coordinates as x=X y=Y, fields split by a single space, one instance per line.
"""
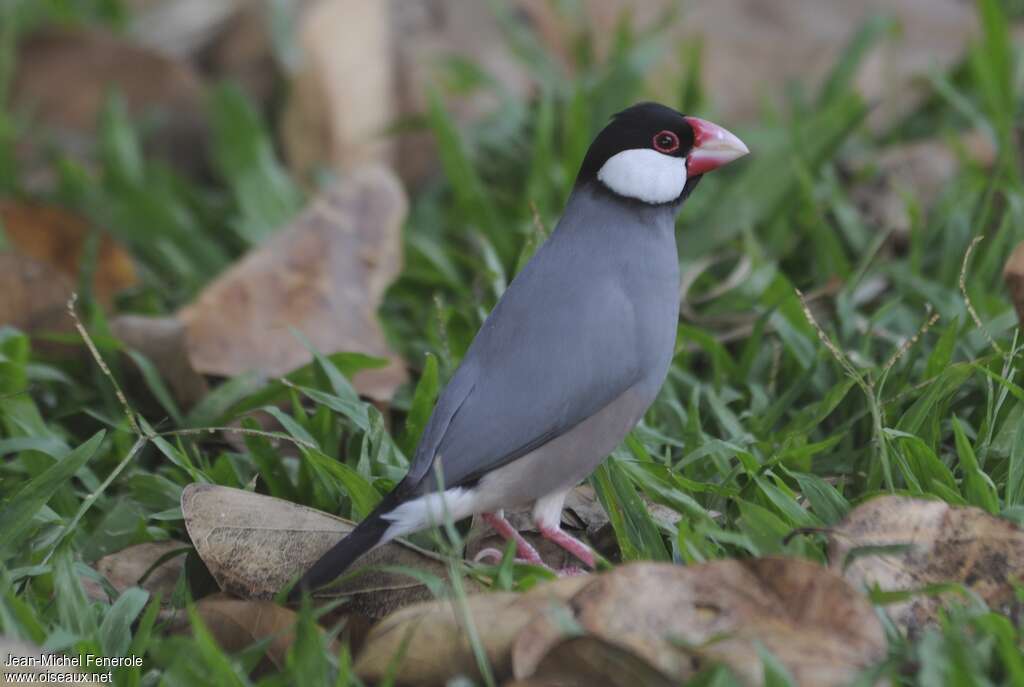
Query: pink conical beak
x=713 y=147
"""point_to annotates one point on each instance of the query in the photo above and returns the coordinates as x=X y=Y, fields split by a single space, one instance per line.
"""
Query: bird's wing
x=560 y=345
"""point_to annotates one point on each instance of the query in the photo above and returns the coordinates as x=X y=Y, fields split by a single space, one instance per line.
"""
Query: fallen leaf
x=586 y=660
x=126 y=568
x=1013 y=275
x=905 y=544
x=33 y=294
x=162 y=341
x=324 y=275
x=239 y=623
x=58 y=237
x=432 y=642
x=16 y=655
x=680 y=619
x=65 y=76
x=254 y=545
x=341 y=98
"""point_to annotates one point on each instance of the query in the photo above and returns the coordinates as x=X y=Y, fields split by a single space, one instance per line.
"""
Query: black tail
x=364 y=537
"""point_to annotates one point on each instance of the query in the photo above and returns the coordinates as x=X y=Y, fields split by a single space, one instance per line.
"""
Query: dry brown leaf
x=33 y=294
x=162 y=341
x=254 y=545
x=125 y=569
x=58 y=237
x=1013 y=274
x=16 y=651
x=933 y=543
x=239 y=623
x=65 y=76
x=587 y=660
x=341 y=98
x=436 y=644
x=324 y=275
x=679 y=619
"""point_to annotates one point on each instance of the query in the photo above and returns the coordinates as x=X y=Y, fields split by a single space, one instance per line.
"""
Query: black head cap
x=646 y=125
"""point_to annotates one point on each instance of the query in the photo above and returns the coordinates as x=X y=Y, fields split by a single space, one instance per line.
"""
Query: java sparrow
x=571 y=356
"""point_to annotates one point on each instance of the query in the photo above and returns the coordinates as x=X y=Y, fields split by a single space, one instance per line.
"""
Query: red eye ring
x=666 y=142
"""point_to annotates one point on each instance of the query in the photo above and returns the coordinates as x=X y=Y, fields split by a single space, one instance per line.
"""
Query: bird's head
x=654 y=154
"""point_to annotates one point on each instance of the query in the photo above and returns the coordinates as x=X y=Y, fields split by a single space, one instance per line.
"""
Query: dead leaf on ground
x=435 y=642
x=65 y=75
x=324 y=275
x=341 y=98
x=58 y=237
x=926 y=543
x=14 y=650
x=680 y=619
x=33 y=294
x=587 y=660
x=39 y=271
x=1013 y=275
x=162 y=341
x=125 y=568
x=254 y=545
x=239 y=623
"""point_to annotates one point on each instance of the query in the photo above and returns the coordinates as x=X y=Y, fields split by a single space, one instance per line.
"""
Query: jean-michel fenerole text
x=62 y=661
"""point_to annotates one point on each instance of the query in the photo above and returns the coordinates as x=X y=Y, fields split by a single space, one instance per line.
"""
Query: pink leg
x=570 y=544
x=523 y=548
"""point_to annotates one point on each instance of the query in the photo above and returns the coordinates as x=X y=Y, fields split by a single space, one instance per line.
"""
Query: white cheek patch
x=644 y=174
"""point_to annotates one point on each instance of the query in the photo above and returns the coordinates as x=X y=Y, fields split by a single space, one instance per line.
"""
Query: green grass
x=766 y=424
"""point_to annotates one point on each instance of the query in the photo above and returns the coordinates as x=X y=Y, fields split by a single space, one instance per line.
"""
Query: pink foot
x=570 y=544
x=572 y=571
x=494 y=557
x=523 y=548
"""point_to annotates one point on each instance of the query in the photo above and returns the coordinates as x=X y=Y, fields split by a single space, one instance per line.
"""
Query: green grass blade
x=17 y=513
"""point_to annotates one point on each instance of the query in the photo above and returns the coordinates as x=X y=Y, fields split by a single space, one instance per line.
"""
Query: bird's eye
x=666 y=142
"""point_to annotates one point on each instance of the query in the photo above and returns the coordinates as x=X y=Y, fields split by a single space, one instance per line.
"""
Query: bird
x=571 y=356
